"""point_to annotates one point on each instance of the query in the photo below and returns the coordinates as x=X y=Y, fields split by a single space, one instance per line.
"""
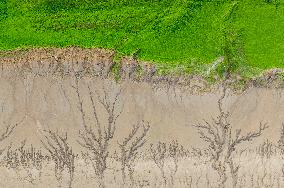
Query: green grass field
x=167 y=32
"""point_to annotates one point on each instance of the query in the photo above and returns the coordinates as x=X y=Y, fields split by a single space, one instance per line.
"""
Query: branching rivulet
x=97 y=137
x=130 y=146
x=61 y=153
x=222 y=143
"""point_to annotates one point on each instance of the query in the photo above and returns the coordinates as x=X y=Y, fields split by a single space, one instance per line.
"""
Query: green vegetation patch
x=173 y=34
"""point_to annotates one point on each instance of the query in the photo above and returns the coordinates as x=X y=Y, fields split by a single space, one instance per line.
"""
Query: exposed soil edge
x=101 y=62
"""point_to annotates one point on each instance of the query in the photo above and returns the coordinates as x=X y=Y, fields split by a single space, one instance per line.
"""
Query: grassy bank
x=182 y=32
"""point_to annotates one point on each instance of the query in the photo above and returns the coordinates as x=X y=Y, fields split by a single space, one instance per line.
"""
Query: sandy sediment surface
x=47 y=90
x=38 y=87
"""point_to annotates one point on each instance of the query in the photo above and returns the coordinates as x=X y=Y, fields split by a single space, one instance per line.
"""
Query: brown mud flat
x=73 y=91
